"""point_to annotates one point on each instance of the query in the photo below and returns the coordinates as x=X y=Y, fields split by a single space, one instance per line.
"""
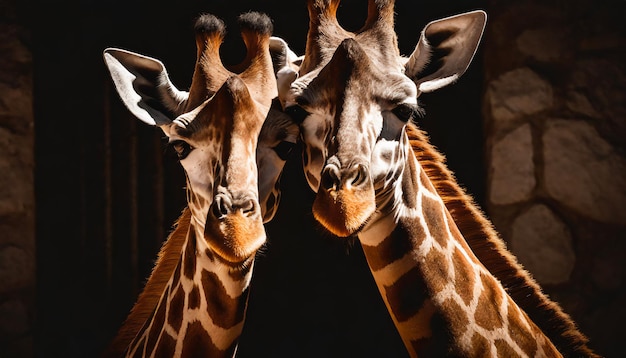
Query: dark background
x=107 y=195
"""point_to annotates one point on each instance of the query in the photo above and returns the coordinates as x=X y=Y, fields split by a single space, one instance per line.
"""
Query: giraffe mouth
x=344 y=212
x=234 y=239
x=236 y=267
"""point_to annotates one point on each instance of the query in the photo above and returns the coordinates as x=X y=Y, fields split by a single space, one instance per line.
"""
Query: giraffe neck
x=198 y=305
x=436 y=290
x=491 y=251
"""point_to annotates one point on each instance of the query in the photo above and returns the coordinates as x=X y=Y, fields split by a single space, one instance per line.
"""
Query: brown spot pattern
x=176 y=311
x=194 y=297
x=487 y=313
x=435 y=271
x=364 y=147
x=480 y=346
x=189 y=258
x=410 y=186
x=504 y=349
x=406 y=296
x=464 y=278
x=209 y=254
x=457 y=316
x=393 y=248
x=434 y=217
x=441 y=340
x=167 y=346
x=226 y=312
x=198 y=343
x=176 y=275
x=415 y=231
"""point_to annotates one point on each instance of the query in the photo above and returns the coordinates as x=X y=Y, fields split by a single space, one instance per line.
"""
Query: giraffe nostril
x=221 y=207
x=225 y=205
x=330 y=178
x=358 y=175
x=247 y=207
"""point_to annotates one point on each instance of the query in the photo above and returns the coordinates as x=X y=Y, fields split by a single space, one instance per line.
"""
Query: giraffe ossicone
x=355 y=99
x=232 y=145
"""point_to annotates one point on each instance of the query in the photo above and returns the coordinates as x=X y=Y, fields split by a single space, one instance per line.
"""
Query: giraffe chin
x=235 y=238
x=344 y=212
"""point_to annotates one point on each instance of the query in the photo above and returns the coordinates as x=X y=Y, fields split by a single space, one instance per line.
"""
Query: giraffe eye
x=181 y=148
x=297 y=113
x=284 y=149
x=406 y=112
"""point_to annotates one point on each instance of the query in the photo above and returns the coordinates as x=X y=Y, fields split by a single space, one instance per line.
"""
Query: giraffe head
x=353 y=96
x=277 y=141
x=279 y=134
x=214 y=129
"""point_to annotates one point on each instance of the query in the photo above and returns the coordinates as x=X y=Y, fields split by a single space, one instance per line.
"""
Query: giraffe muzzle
x=345 y=200
x=234 y=227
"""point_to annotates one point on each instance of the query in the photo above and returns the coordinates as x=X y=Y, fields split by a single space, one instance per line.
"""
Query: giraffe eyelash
x=180 y=148
x=406 y=112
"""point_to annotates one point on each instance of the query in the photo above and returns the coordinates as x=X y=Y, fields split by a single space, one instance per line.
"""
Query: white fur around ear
x=144 y=86
x=445 y=50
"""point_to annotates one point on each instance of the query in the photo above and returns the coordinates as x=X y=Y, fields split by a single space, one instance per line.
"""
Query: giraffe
x=355 y=99
x=194 y=301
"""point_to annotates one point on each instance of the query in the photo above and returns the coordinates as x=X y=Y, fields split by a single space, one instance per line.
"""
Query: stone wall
x=17 y=222
x=555 y=119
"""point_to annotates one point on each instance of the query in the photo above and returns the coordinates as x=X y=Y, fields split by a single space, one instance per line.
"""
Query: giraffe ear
x=144 y=86
x=445 y=49
x=286 y=66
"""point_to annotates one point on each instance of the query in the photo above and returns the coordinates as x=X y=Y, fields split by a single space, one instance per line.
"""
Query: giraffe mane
x=491 y=250
x=168 y=258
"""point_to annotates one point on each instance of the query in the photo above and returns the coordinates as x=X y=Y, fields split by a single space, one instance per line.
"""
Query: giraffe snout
x=353 y=176
x=345 y=200
x=234 y=227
